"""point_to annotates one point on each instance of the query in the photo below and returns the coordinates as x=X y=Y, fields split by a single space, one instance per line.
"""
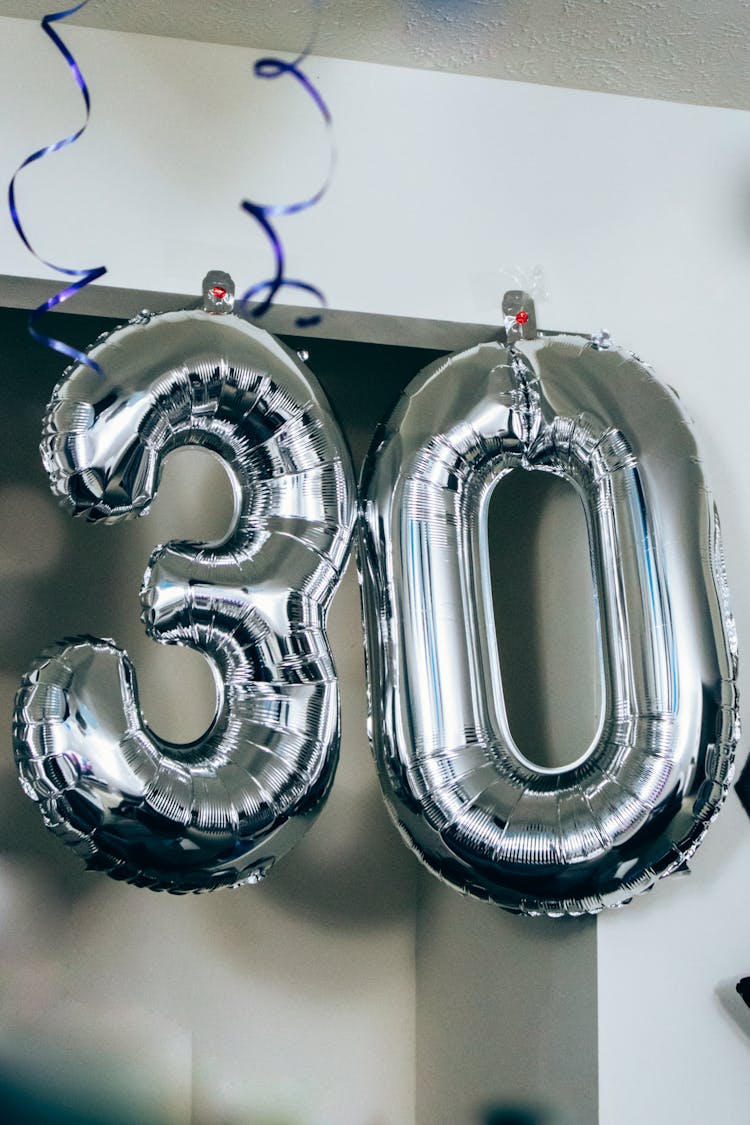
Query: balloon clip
x=519 y=316
x=218 y=292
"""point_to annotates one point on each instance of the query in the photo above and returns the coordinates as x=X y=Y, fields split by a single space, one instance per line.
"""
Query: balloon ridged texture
x=221 y=810
x=637 y=802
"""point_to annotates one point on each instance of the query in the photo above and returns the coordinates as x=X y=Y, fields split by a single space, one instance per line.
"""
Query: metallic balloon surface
x=637 y=802
x=221 y=810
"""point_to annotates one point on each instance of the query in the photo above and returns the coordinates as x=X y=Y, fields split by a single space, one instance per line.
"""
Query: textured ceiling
x=682 y=50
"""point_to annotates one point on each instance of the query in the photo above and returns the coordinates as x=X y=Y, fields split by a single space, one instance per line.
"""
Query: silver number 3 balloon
x=637 y=802
x=221 y=810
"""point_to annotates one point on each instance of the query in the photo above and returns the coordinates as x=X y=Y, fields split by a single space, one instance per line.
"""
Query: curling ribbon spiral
x=263 y=213
x=84 y=276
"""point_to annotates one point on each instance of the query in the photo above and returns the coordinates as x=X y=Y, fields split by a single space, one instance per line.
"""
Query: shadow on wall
x=544 y=615
x=517 y=1114
x=735 y=1004
x=22 y=1105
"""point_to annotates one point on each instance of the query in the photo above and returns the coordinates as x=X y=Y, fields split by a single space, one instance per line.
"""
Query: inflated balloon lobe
x=221 y=810
x=636 y=803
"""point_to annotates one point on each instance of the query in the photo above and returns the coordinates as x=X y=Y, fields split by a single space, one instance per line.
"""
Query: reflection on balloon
x=637 y=802
x=222 y=809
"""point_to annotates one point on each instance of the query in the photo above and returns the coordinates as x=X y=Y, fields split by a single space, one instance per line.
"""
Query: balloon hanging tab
x=519 y=316
x=218 y=292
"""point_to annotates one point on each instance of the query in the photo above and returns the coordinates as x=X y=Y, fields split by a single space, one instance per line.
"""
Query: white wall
x=638 y=213
x=673 y=1038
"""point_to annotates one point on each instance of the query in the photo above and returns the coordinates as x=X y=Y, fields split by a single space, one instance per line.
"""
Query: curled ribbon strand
x=263 y=213
x=84 y=276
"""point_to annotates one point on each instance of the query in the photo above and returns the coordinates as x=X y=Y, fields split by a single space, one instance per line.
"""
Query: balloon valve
x=218 y=292
x=519 y=316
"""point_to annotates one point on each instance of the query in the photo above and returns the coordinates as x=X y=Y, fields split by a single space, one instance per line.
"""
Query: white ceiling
x=682 y=50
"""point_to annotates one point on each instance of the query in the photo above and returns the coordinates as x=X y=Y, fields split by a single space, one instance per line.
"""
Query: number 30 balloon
x=220 y=810
x=638 y=801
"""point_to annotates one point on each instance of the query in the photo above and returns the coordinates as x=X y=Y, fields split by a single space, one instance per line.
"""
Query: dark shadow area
x=516 y=1114
x=742 y=988
x=59 y=576
x=23 y=1105
x=543 y=601
x=368 y=884
x=734 y=998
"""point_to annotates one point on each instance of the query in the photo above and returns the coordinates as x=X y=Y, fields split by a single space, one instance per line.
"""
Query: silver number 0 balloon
x=222 y=809
x=638 y=801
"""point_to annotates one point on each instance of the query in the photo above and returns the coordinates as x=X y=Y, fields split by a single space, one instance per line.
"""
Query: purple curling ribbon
x=84 y=276
x=263 y=213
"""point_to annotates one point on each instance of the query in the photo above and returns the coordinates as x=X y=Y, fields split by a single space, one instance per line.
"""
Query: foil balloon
x=637 y=802
x=221 y=810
